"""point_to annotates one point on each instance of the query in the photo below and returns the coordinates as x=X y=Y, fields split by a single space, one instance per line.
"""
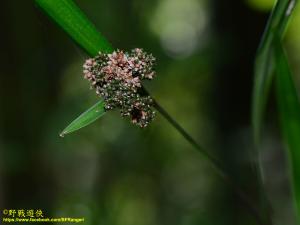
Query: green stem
x=221 y=171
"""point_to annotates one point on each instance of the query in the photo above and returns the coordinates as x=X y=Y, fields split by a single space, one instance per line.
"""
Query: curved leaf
x=86 y=118
x=289 y=109
x=84 y=33
x=76 y=24
x=264 y=62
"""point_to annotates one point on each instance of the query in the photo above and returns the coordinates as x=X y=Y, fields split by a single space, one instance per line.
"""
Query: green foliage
x=85 y=118
x=289 y=108
x=271 y=58
x=265 y=64
x=78 y=26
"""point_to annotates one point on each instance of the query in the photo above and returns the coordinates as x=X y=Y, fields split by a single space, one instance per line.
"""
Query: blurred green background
x=112 y=172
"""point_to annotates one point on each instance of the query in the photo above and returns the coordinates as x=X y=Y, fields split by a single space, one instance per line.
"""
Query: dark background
x=112 y=172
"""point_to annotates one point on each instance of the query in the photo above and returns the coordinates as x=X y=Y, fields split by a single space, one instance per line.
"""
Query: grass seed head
x=117 y=78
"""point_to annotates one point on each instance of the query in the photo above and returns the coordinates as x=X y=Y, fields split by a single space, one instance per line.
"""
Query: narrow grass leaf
x=70 y=18
x=67 y=14
x=264 y=62
x=85 y=118
x=289 y=109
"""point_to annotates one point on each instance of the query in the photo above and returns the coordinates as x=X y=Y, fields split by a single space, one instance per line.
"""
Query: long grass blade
x=289 y=109
x=85 y=118
x=67 y=14
x=264 y=63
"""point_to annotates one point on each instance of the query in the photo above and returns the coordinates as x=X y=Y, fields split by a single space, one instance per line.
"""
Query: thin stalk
x=221 y=171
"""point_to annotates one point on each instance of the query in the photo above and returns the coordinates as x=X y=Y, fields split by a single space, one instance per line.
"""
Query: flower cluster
x=117 y=78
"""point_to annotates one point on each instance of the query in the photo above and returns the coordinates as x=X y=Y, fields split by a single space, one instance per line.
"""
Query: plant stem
x=221 y=171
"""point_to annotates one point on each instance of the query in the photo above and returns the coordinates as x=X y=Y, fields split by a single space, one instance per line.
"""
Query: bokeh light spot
x=179 y=25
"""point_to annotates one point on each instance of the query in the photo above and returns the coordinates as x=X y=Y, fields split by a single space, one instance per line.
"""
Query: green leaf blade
x=289 y=110
x=264 y=62
x=75 y=23
x=68 y=16
x=86 y=118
